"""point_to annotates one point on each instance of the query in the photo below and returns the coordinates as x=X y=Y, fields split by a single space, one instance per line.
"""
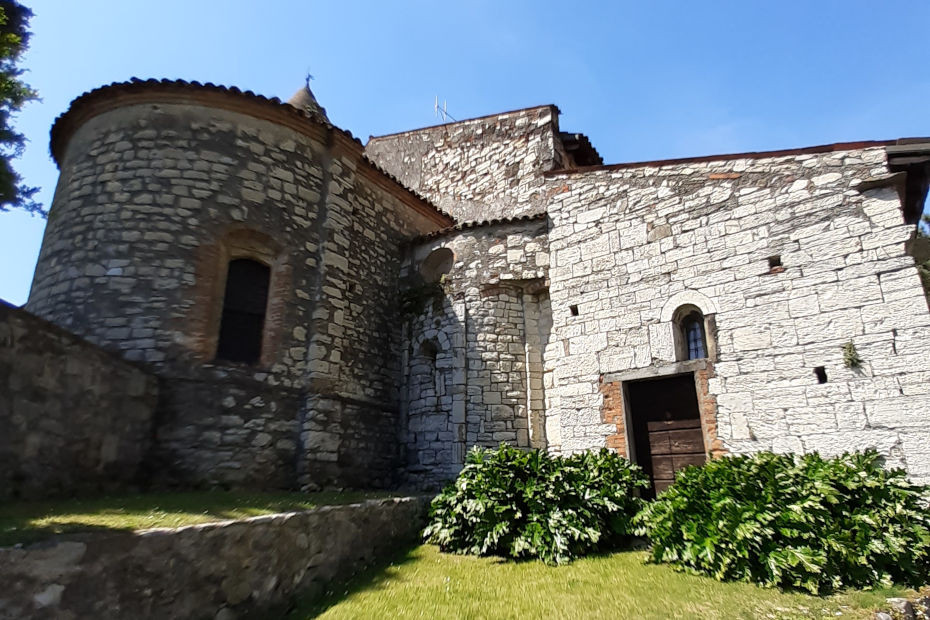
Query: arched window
x=429 y=350
x=436 y=265
x=690 y=334
x=244 y=305
x=694 y=335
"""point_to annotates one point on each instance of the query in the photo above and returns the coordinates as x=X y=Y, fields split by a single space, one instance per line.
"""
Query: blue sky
x=644 y=80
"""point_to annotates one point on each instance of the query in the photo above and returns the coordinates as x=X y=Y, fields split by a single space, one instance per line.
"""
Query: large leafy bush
x=524 y=504
x=794 y=522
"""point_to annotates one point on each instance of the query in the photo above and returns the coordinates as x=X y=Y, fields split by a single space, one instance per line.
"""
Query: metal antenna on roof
x=442 y=112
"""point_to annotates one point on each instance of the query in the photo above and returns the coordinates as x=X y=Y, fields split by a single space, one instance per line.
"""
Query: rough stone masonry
x=482 y=281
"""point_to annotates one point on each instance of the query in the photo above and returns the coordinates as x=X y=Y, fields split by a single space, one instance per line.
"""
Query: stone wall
x=154 y=200
x=349 y=443
x=629 y=245
x=221 y=570
x=474 y=350
x=478 y=169
x=163 y=184
x=220 y=426
x=72 y=417
x=150 y=206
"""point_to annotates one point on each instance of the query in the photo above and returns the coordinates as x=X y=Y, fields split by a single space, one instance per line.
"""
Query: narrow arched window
x=690 y=334
x=694 y=335
x=244 y=306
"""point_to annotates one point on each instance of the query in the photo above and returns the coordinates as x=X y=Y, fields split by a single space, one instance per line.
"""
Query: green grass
x=23 y=522
x=427 y=584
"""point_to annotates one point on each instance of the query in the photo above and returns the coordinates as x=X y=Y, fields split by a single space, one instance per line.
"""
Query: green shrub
x=525 y=504
x=794 y=522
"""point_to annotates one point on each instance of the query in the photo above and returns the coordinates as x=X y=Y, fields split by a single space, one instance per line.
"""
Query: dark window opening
x=691 y=333
x=436 y=265
x=243 y=312
x=694 y=336
x=775 y=265
x=573 y=310
x=428 y=350
x=821 y=373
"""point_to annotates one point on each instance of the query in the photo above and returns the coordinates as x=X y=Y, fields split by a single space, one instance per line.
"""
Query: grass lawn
x=427 y=584
x=22 y=522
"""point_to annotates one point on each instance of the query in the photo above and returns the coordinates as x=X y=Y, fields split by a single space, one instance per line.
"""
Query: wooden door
x=666 y=422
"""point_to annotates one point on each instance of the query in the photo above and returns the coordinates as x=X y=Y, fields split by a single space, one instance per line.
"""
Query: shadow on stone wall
x=473 y=374
x=216 y=570
x=73 y=417
x=220 y=427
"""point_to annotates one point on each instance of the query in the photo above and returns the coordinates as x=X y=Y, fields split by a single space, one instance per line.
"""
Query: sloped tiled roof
x=503 y=221
x=117 y=94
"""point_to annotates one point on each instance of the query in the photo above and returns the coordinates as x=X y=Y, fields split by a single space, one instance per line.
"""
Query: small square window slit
x=821 y=373
x=574 y=310
x=775 y=265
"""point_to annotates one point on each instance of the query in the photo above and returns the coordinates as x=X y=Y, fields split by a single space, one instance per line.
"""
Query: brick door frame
x=616 y=408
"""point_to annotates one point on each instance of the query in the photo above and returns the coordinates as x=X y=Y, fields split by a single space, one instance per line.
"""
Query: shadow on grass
x=621 y=545
x=374 y=577
x=10 y=536
x=30 y=521
x=378 y=575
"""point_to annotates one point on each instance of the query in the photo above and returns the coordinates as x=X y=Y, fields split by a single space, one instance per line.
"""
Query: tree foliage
x=14 y=94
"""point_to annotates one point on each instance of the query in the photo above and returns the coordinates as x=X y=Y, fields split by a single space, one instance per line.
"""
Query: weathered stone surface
x=478 y=169
x=626 y=247
x=135 y=256
x=773 y=328
x=474 y=354
x=788 y=256
x=220 y=570
x=72 y=417
x=902 y=609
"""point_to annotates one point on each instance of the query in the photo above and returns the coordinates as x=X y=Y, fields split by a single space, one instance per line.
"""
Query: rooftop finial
x=304 y=100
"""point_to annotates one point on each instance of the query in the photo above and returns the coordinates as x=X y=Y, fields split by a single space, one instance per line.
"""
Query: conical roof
x=304 y=100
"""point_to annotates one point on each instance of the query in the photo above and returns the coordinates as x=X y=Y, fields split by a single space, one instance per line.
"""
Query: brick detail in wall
x=612 y=413
x=203 y=323
x=707 y=404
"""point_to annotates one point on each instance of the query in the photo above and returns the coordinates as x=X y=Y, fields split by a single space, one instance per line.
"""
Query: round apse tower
x=174 y=196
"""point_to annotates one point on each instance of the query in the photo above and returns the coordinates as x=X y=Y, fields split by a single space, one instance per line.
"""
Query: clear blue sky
x=644 y=80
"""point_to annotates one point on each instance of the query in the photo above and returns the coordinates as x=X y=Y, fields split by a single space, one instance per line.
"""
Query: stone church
x=232 y=291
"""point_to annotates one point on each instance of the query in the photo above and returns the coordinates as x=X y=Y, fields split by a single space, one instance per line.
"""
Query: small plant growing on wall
x=851 y=356
x=415 y=300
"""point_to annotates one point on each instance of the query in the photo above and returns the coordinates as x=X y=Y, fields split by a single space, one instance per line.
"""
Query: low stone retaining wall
x=218 y=570
x=73 y=418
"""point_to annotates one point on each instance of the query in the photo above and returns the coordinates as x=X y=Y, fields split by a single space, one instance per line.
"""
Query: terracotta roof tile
x=101 y=99
x=822 y=148
x=503 y=221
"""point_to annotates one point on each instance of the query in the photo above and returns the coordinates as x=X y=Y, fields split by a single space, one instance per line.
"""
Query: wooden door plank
x=680 y=461
x=670 y=425
x=686 y=441
x=659 y=443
